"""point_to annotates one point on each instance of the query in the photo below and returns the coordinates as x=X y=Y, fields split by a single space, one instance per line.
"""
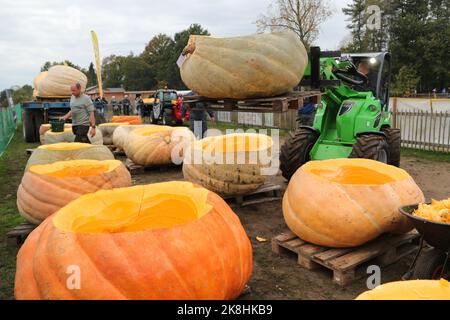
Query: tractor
x=353 y=119
x=160 y=108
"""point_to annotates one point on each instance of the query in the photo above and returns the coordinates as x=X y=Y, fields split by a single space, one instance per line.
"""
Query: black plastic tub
x=434 y=233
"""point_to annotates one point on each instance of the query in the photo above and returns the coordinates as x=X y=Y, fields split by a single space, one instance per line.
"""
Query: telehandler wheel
x=371 y=146
x=296 y=151
x=394 y=140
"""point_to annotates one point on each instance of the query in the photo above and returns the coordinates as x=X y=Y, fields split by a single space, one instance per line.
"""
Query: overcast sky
x=32 y=32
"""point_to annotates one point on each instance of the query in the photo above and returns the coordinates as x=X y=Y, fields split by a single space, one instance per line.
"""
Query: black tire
x=371 y=146
x=295 y=151
x=29 y=129
x=394 y=140
x=429 y=265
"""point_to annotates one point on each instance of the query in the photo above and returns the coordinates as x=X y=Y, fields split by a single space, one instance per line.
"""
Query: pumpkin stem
x=190 y=48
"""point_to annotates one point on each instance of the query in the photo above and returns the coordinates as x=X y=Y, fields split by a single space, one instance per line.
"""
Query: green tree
x=91 y=76
x=112 y=71
x=47 y=65
x=406 y=82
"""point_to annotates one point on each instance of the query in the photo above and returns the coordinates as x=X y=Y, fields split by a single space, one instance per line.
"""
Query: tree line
x=416 y=32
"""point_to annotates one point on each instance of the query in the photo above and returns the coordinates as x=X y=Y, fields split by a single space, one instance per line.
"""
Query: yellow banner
x=98 y=65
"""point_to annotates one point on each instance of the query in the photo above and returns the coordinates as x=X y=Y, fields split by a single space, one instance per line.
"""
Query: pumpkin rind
x=68 y=151
x=121 y=134
x=208 y=258
x=107 y=130
x=150 y=146
x=133 y=120
x=58 y=81
x=410 y=290
x=262 y=65
x=335 y=214
x=41 y=195
x=228 y=179
x=68 y=136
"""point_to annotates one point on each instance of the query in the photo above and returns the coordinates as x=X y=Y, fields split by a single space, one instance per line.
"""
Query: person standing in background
x=198 y=118
x=82 y=115
x=115 y=106
x=126 y=105
x=138 y=102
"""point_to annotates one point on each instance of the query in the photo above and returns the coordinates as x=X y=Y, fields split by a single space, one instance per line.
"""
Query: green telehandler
x=353 y=119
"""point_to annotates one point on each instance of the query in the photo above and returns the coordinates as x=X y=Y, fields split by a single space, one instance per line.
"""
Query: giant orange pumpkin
x=154 y=145
x=170 y=240
x=47 y=188
x=348 y=202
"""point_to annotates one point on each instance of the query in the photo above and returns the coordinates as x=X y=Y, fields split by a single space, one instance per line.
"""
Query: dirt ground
x=276 y=277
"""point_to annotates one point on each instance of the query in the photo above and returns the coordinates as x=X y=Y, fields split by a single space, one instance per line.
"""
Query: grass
x=12 y=165
x=428 y=155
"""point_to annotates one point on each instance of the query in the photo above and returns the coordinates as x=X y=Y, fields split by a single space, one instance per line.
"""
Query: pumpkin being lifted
x=348 y=202
x=169 y=240
x=257 y=66
x=47 y=188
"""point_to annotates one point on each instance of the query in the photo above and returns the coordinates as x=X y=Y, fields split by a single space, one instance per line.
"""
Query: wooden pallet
x=268 y=192
x=136 y=169
x=30 y=151
x=348 y=265
x=16 y=237
x=291 y=100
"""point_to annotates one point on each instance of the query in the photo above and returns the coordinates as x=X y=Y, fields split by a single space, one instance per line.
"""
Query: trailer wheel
x=371 y=146
x=29 y=130
x=394 y=140
x=429 y=265
x=296 y=151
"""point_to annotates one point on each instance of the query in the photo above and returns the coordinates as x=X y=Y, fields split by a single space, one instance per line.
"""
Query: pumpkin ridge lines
x=297 y=217
x=216 y=249
x=35 y=196
x=46 y=234
x=78 y=240
x=369 y=215
x=233 y=231
x=174 y=270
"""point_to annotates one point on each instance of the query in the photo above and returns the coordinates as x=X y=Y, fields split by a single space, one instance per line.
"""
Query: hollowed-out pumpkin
x=44 y=128
x=261 y=65
x=68 y=151
x=154 y=145
x=51 y=137
x=108 y=129
x=47 y=188
x=348 y=202
x=58 y=80
x=170 y=240
x=129 y=119
x=410 y=290
x=230 y=165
